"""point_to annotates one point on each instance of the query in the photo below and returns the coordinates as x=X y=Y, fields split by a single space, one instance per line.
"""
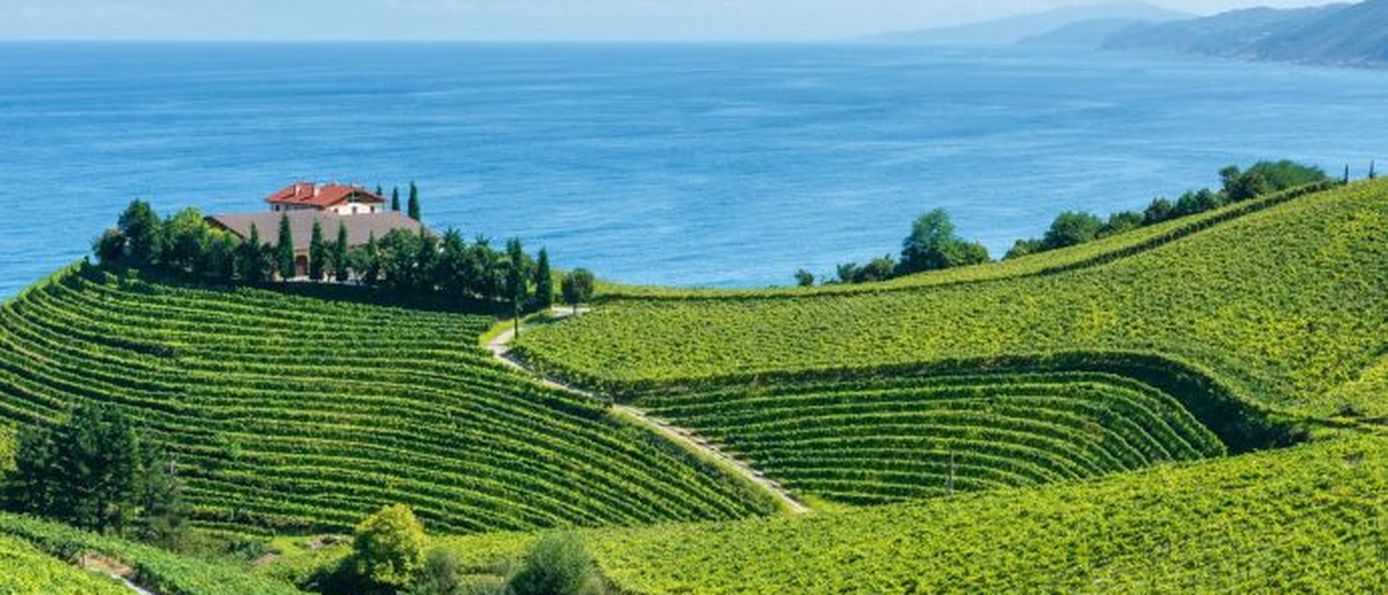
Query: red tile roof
x=324 y=196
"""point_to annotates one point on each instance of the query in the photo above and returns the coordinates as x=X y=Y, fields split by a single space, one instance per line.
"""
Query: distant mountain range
x=1335 y=34
x=1012 y=30
x=1342 y=34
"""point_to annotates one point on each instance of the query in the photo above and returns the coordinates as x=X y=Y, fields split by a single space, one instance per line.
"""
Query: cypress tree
x=1346 y=180
x=395 y=199
x=379 y=191
x=249 y=258
x=317 y=253
x=1372 y=173
x=544 y=282
x=413 y=205
x=339 y=255
x=284 y=251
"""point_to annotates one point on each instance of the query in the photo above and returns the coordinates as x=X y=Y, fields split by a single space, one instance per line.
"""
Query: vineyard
x=24 y=570
x=289 y=414
x=880 y=436
x=1282 y=304
x=39 y=557
x=1310 y=519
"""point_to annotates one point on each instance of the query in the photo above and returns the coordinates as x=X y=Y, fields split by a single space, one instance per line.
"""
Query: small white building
x=335 y=198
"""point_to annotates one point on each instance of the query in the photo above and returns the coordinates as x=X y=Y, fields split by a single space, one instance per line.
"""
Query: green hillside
x=294 y=415
x=893 y=435
x=43 y=557
x=26 y=570
x=1281 y=304
x=1308 y=519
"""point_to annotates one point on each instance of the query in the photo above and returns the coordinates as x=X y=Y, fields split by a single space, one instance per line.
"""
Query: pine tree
x=162 y=510
x=284 y=251
x=341 y=269
x=544 y=282
x=317 y=253
x=395 y=199
x=413 y=205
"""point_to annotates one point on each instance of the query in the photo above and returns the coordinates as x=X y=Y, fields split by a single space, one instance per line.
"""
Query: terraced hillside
x=1308 y=519
x=1282 y=304
x=891 y=436
x=292 y=414
x=42 y=557
x=26 y=570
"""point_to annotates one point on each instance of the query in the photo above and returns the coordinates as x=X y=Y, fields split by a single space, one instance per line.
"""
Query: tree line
x=401 y=262
x=934 y=245
x=96 y=471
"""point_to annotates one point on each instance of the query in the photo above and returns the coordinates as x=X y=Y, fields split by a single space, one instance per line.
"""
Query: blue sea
x=719 y=165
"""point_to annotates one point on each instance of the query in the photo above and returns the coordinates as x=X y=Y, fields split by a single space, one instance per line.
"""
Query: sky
x=495 y=20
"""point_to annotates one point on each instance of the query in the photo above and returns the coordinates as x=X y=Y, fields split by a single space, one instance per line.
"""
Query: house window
x=354 y=209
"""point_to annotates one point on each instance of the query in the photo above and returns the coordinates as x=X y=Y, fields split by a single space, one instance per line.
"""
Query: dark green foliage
x=1024 y=247
x=1071 y=228
x=93 y=472
x=338 y=256
x=1265 y=177
x=804 y=278
x=517 y=272
x=144 y=233
x=161 y=503
x=395 y=199
x=284 y=251
x=558 y=564
x=186 y=237
x=933 y=245
x=366 y=261
x=1191 y=203
x=442 y=574
x=401 y=262
x=577 y=287
x=413 y=206
x=1159 y=210
x=218 y=259
x=877 y=269
x=1120 y=222
x=317 y=253
x=544 y=282
x=253 y=261
x=110 y=247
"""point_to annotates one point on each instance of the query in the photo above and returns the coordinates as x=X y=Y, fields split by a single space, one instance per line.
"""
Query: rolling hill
x=292 y=414
x=1283 y=304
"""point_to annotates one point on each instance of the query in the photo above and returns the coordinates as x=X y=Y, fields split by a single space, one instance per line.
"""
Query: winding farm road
x=501 y=347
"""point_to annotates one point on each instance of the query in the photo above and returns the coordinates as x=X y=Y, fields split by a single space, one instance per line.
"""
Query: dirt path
x=501 y=347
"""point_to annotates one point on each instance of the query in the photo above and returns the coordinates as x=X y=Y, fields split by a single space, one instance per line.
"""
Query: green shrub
x=559 y=564
x=389 y=547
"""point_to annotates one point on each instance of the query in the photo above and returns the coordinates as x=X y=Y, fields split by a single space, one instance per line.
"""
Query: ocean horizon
x=726 y=165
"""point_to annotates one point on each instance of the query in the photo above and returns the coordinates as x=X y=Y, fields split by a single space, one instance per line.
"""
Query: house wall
x=347 y=208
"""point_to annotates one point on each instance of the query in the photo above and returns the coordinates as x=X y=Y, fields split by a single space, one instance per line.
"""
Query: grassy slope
x=156 y=569
x=1284 y=305
x=1305 y=519
x=889 y=438
x=24 y=570
x=293 y=414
